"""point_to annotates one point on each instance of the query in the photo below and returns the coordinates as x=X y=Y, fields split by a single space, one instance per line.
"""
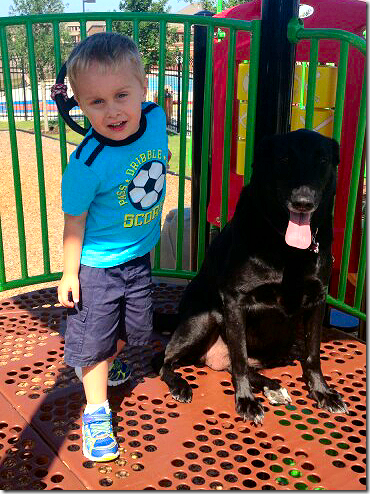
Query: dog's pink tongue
x=298 y=233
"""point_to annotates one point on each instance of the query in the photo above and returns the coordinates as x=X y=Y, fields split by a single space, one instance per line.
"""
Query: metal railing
x=22 y=96
x=296 y=33
x=233 y=28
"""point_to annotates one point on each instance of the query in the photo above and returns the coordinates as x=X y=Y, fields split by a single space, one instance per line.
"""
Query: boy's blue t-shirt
x=122 y=185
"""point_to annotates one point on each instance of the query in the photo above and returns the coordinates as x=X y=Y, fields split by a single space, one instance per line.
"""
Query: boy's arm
x=74 y=230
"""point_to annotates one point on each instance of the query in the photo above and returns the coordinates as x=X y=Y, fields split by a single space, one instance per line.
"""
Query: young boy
x=112 y=196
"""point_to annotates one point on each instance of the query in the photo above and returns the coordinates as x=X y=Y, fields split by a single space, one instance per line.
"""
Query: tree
x=211 y=5
x=43 y=41
x=149 y=31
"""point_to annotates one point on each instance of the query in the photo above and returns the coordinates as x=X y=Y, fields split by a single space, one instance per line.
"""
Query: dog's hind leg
x=186 y=344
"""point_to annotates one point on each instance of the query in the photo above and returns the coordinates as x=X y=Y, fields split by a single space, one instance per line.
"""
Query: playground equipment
x=164 y=444
x=329 y=98
x=241 y=42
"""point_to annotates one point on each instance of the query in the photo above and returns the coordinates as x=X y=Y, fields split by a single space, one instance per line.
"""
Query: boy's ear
x=145 y=88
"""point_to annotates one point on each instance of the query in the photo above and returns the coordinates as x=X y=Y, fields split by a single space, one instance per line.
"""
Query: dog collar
x=314 y=247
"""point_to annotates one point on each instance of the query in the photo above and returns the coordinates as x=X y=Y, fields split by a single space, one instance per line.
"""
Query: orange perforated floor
x=166 y=445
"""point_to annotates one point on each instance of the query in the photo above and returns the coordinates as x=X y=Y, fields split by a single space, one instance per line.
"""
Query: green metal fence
x=296 y=32
x=232 y=28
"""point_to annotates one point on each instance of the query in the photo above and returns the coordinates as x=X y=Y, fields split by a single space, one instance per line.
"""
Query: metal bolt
x=121 y=462
x=122 y=473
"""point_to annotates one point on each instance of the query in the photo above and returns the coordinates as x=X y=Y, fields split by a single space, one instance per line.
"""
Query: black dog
x=264 y=275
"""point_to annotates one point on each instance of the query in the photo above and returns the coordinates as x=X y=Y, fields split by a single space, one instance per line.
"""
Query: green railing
x=296 y=32
x=230 y=26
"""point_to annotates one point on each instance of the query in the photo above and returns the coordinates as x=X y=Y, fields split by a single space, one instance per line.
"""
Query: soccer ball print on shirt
x=146 y=188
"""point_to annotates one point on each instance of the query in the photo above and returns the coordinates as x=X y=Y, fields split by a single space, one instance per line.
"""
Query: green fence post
x=15 y=157
x=227 y=127
x=252 y=99
x=2 y=261
x=206 y=131
x=161 y=102
x=38 y=144
x=341 y=88
x=351 y=207
x=311 y=86
x=61 y=124
x=183 y=131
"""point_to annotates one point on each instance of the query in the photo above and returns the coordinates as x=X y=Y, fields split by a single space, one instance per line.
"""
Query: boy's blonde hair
x=110 y=50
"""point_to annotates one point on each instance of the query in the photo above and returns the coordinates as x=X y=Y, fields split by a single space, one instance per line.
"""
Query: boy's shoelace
x=99 y=425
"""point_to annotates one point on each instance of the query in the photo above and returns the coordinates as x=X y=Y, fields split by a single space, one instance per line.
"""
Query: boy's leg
x=138 y=315
x=120 y=346
x=118 y=371
x=99 y=443
x=98 y=312
x=95 y=381
x=90 y=341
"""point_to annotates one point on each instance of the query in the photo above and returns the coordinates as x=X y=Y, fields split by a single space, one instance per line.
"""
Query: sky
x=99 y=6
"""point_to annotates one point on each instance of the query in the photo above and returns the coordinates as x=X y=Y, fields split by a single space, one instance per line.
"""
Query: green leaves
x=148 y=31
x=42 y=36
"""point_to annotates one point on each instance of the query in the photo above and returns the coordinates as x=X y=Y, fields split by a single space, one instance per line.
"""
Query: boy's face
x=111 y=100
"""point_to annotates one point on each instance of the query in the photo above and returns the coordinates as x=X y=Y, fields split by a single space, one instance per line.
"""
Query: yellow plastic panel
x=322 y=120
x=243 y=79
x=242 y=120
x=326 y=86
x=240 y=157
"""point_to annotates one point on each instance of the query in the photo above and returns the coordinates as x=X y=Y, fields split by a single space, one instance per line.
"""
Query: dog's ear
x=335 y=152
x=263 y=148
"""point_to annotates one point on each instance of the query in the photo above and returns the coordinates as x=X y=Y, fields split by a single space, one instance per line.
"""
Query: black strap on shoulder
x=94 y=154
x=82 y=145
x=149 y=108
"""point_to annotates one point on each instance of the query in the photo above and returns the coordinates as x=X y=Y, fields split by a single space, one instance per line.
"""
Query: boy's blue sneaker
x=99 y=443
x=118 y=373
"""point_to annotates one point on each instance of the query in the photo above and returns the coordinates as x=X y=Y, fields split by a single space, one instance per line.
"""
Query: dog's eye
x=282 y=165
x=283 y=159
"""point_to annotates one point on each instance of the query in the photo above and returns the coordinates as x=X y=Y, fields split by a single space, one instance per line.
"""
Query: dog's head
x=295 y=176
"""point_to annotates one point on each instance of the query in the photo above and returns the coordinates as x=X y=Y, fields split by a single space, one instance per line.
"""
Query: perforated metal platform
x=166 y=445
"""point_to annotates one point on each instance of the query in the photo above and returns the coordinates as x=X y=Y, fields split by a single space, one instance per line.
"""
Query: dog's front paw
x=250 y=409
x=329 y=399
x=181 y=390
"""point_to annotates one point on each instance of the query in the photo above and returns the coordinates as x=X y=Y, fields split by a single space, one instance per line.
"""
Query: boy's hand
x=74 y=229
x=69 y=284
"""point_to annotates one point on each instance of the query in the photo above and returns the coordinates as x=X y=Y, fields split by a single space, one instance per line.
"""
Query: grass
x=75 y=138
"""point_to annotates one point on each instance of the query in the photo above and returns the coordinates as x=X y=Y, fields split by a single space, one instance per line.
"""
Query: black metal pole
x=24 y=93
x=276 y=68
x=199 y=56
x=178 y=94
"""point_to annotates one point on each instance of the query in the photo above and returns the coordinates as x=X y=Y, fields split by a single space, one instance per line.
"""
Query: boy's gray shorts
x=115 y=303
